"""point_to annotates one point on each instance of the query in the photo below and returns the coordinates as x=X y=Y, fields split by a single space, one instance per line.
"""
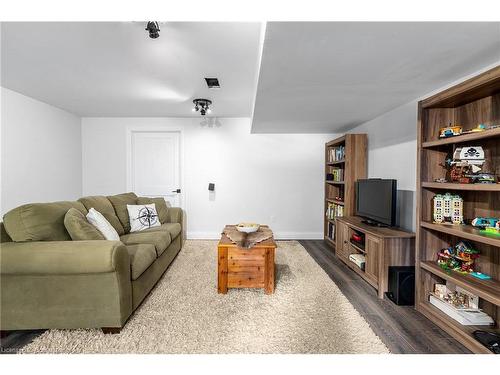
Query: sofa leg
x=111 y=330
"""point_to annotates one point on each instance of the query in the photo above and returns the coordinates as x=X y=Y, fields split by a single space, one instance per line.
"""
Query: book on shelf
x=334 y=210
x=336 y=174
x=336 y=154
x=331 y=231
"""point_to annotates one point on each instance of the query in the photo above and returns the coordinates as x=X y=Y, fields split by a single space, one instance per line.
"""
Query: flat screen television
x=376 y=201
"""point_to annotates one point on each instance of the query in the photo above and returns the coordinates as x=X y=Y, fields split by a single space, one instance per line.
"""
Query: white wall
x=41 y=152
x=392 y=151
x=273 y=179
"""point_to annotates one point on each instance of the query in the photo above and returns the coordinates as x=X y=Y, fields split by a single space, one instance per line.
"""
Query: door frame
x=131 y=130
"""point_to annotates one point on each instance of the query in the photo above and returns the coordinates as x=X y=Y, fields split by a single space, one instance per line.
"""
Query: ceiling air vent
x=212 y=83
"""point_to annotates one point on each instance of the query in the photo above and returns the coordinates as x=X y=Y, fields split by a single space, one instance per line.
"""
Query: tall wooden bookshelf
x=473 y=102
x=342 y=191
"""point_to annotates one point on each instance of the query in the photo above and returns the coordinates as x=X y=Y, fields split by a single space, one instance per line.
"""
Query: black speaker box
x=401 y=289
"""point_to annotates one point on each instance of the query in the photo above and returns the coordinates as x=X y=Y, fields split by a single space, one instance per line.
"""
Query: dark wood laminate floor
x=401 y=328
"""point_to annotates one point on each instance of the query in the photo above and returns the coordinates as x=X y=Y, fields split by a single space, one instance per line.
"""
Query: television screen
x=376 y=200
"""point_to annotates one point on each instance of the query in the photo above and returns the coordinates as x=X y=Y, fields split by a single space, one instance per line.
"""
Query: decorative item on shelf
x=480 y=275
x=448 y=208
x=466 y=165
x=490 y=225
x=482 y=178
x=459 y=258
x=459 y=299
x=450 y=131
x=478 y=128
x=460 y=305
x=485 y=222
x=441 y=180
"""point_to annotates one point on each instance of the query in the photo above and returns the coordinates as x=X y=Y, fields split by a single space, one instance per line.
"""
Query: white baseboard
x=277 y=235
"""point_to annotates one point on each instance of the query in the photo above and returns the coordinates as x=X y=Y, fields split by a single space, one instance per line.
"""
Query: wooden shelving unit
x=473 y=102
x=354 y=167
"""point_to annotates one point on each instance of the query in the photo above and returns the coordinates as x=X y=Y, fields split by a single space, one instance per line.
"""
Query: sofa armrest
x=175 y=215
x=62 y=257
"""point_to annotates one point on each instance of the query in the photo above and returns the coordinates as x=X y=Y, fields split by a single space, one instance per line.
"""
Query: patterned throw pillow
x=142 y=216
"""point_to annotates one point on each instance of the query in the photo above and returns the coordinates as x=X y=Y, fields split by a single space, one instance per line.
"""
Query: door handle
x=178 y=191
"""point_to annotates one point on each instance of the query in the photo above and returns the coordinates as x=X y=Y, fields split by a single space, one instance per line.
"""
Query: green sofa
x=49 y=281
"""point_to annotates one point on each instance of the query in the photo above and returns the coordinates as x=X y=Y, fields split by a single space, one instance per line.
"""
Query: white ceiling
x=115 y=69
x=314 y=77
x=328 y=76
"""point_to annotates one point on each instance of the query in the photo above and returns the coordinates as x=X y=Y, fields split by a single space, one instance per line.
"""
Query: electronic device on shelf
x=376 y=201
x=358 y=239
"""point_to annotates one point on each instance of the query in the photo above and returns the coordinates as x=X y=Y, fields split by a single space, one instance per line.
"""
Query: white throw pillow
x=142 y=216
x=95 y=218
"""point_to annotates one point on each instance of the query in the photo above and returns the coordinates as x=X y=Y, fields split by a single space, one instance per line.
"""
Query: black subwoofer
x=401 y=289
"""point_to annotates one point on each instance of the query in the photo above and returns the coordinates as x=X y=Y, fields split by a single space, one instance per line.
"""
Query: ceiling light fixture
x=154 y=29
x=202 y=105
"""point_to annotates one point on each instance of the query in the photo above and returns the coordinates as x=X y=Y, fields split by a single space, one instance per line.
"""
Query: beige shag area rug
x=184 y=314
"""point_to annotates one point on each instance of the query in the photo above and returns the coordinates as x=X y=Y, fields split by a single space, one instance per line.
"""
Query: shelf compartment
x=460 y=332
x=335 y=182
x=464 y=231
x=453 y=186
x=490 y=133
x=340 y=203
x=487 y=289
x=336 y=162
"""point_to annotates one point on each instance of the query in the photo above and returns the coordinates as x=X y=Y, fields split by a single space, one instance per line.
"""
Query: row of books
x=334 y=210
x=336 y=174
x=336 y=153
x=331 y=231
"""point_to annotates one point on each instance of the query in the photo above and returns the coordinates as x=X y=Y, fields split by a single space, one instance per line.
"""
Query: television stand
x=384 y=247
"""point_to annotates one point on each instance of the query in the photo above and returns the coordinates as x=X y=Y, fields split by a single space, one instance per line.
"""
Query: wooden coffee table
x=245 y=268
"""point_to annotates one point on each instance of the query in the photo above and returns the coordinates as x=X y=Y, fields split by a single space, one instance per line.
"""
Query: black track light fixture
x=154 y=29
x=202 y=105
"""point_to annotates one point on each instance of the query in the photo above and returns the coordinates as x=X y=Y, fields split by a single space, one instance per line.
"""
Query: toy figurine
x=449 y=208
x=479 y=128
x=482 y=178
x=460 y=258
x=450 y=131
x=485 y=222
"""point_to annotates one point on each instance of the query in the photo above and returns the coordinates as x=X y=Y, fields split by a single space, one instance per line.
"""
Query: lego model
x=465 y=164
x=460 y=258
x=478 y=128
x=485 y=222
x=448 y=208
x=450 y=131
x=490 y=225
x=482 y=178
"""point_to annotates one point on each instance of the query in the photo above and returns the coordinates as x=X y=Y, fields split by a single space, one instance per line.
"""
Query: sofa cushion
x=40 y=221
x=160 y=204
x=173 y=228
x=160 y=239
x=104 y=206
x=119 y=203
x=79 y=228
x=141 y=257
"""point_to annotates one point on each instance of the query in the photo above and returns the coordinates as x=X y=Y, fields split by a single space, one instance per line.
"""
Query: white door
x=154 y=165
